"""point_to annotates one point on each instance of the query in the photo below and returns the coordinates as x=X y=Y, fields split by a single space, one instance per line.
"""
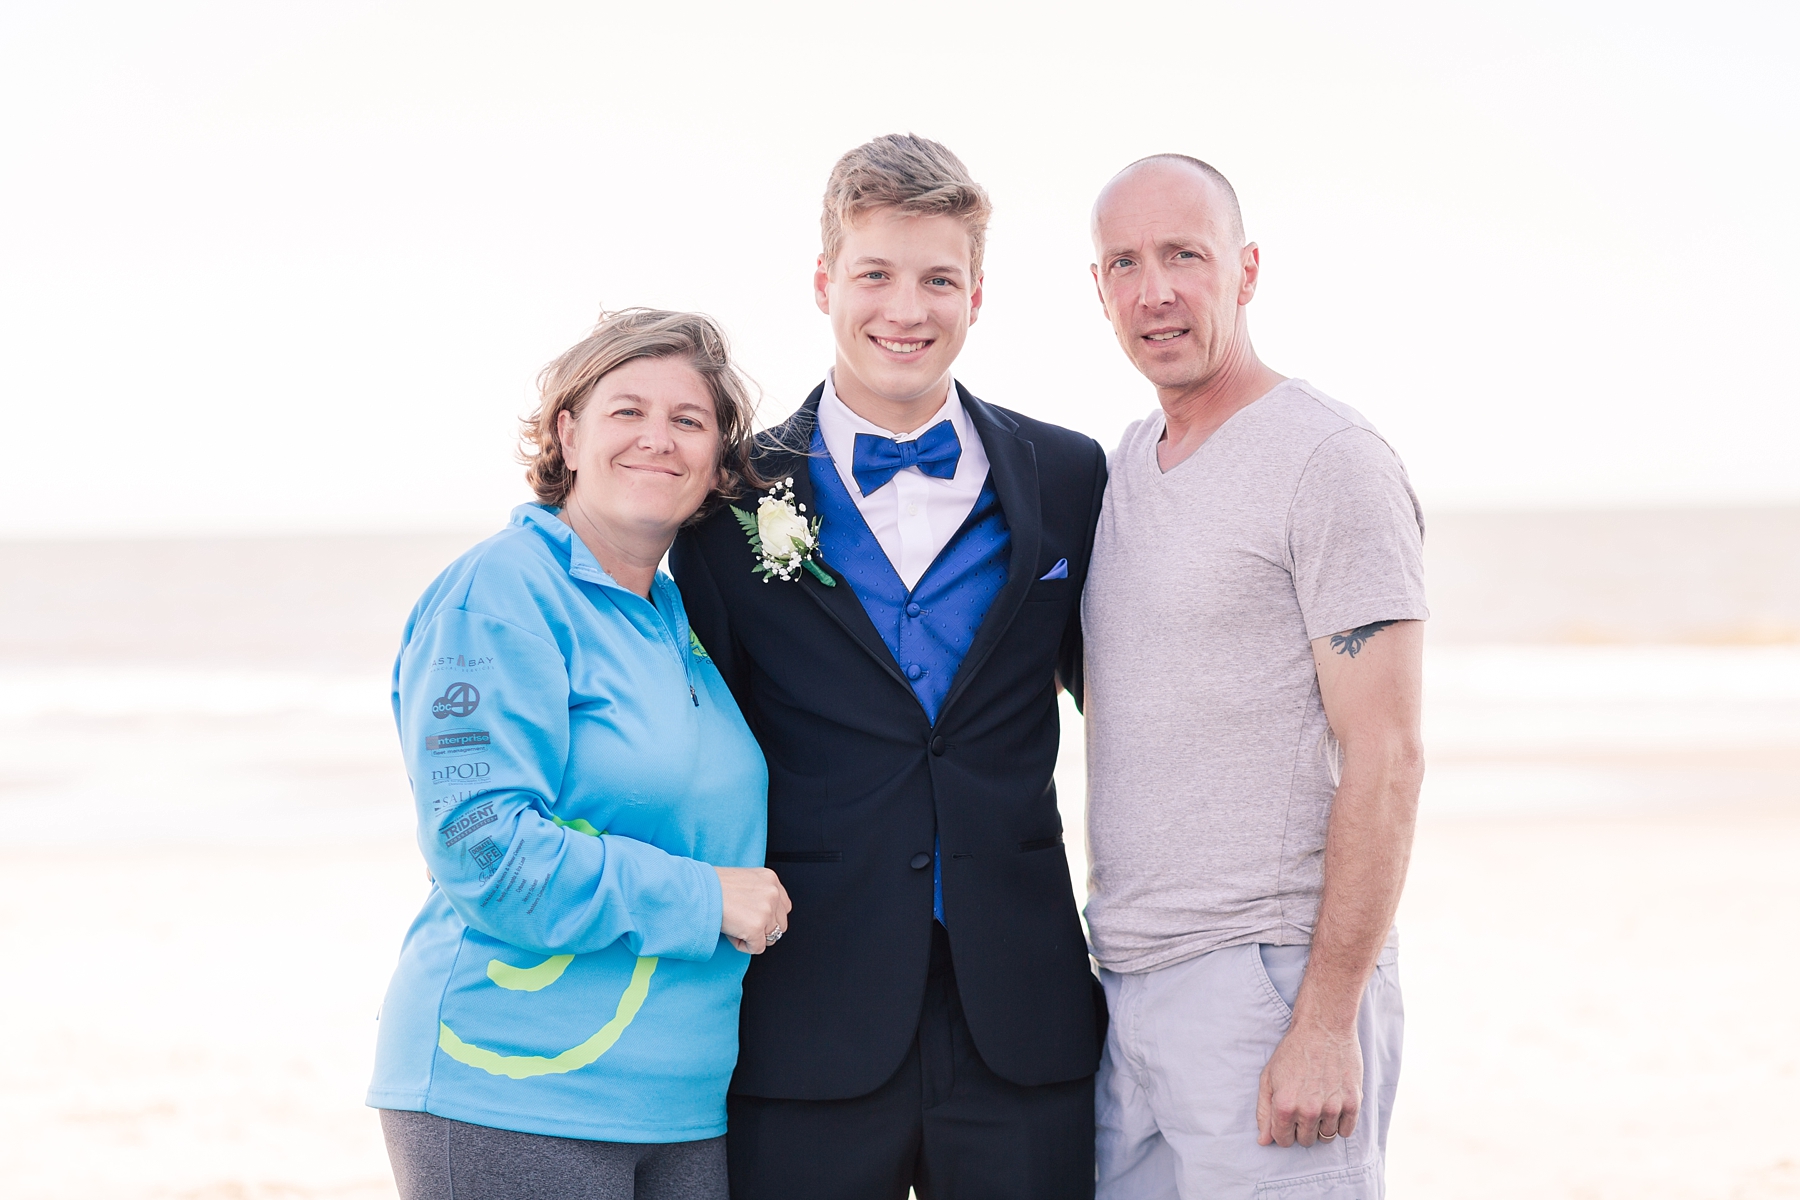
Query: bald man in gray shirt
x=1253 y=625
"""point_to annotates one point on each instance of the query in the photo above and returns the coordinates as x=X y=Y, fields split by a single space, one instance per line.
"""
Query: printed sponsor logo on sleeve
x=468 y=823
x=463 y=741
x=487 y=856
x=458 y=700
x=463 y=772
x=441 y=803
x=461 y=662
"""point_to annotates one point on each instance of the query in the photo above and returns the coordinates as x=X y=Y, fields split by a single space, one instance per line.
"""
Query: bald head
x=1177 y=172
x=1174 y=273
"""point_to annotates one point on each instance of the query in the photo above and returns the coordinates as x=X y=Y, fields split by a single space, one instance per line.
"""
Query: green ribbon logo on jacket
x=534 y=979
x=524 y=1066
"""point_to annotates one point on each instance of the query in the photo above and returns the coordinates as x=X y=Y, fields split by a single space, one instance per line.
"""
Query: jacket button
x=920 y=861
x=937 y=746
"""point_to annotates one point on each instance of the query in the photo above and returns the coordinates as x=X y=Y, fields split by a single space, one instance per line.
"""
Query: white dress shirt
x=913 y=515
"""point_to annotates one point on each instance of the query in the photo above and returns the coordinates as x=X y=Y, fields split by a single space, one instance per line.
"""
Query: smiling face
x=901 y=296
x=645 y=451
x=1174 y=272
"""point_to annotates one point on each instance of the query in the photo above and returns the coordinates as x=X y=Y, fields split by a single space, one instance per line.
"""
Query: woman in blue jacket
x=563 y=1020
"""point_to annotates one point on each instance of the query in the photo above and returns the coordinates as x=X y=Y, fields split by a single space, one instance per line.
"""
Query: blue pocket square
x=1059 y=571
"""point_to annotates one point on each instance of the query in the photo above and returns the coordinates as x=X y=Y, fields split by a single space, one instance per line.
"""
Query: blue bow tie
x=879 y=459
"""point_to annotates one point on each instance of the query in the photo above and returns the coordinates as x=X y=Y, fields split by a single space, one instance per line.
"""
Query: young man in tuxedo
x=931 y=1020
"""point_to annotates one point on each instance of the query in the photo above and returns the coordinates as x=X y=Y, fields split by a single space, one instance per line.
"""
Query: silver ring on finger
x=773 y=936
x=1326 y=1137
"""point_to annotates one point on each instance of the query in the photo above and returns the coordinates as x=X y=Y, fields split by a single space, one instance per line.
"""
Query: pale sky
x=294 y=266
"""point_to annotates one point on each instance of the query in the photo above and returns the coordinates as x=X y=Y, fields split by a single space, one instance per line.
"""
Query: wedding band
x=773 y=936
x=1326 y=1137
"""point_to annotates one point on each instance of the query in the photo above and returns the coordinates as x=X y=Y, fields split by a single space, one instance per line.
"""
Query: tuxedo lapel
x=1012 y=465
x=792 y=461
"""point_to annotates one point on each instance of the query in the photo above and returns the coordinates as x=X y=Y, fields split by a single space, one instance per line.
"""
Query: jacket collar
x=571 y=550
x=1012 y=465
x=581 y=564
x=785 y=452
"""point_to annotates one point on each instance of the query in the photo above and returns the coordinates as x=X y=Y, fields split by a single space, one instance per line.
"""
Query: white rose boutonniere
x=784 y=541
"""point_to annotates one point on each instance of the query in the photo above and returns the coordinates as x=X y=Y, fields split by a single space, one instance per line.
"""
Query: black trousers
x=943 y=1125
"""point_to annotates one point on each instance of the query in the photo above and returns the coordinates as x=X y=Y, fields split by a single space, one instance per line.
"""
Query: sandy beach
x=209 y=851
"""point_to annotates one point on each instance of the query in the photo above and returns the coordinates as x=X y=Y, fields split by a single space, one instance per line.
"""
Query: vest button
x=937 y=746
x=913 y=610
x=920 y=861
x=914 y=671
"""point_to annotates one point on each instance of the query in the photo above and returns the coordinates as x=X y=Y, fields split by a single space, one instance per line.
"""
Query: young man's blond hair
x=910 y=174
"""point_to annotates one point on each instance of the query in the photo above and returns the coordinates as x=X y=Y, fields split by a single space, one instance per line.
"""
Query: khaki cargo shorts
x=1175 y=1099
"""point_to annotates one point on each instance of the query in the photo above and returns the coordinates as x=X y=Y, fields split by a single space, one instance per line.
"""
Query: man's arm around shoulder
x=1369 y=682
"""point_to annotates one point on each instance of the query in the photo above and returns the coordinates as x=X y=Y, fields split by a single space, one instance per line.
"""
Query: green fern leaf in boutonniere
x=783 y=540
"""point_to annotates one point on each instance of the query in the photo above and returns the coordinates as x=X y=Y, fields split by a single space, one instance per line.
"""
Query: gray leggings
x=435 y=1158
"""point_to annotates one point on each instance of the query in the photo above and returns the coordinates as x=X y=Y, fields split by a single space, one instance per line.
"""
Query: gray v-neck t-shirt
x=1210 y=763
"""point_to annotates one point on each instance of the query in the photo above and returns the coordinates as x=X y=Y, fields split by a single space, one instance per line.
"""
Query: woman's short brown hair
x=619 y=338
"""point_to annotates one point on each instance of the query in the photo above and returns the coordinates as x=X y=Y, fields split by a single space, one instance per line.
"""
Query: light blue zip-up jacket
x=579 y=768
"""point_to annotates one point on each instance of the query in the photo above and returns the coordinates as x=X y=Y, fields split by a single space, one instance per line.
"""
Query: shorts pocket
x=1354 y=1183
x=1265 y=984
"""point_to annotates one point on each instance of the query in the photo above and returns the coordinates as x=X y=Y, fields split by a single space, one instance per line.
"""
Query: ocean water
x=235 y=691
x=207 y=690
x=129 y=754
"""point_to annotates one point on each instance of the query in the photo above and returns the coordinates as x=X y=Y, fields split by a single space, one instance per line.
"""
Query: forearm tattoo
x=1352 y=641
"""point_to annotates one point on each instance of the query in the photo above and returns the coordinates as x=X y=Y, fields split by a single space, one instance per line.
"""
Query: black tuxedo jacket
x=859 y=779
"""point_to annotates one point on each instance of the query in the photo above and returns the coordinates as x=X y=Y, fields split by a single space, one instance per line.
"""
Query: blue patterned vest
x=929 y=629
